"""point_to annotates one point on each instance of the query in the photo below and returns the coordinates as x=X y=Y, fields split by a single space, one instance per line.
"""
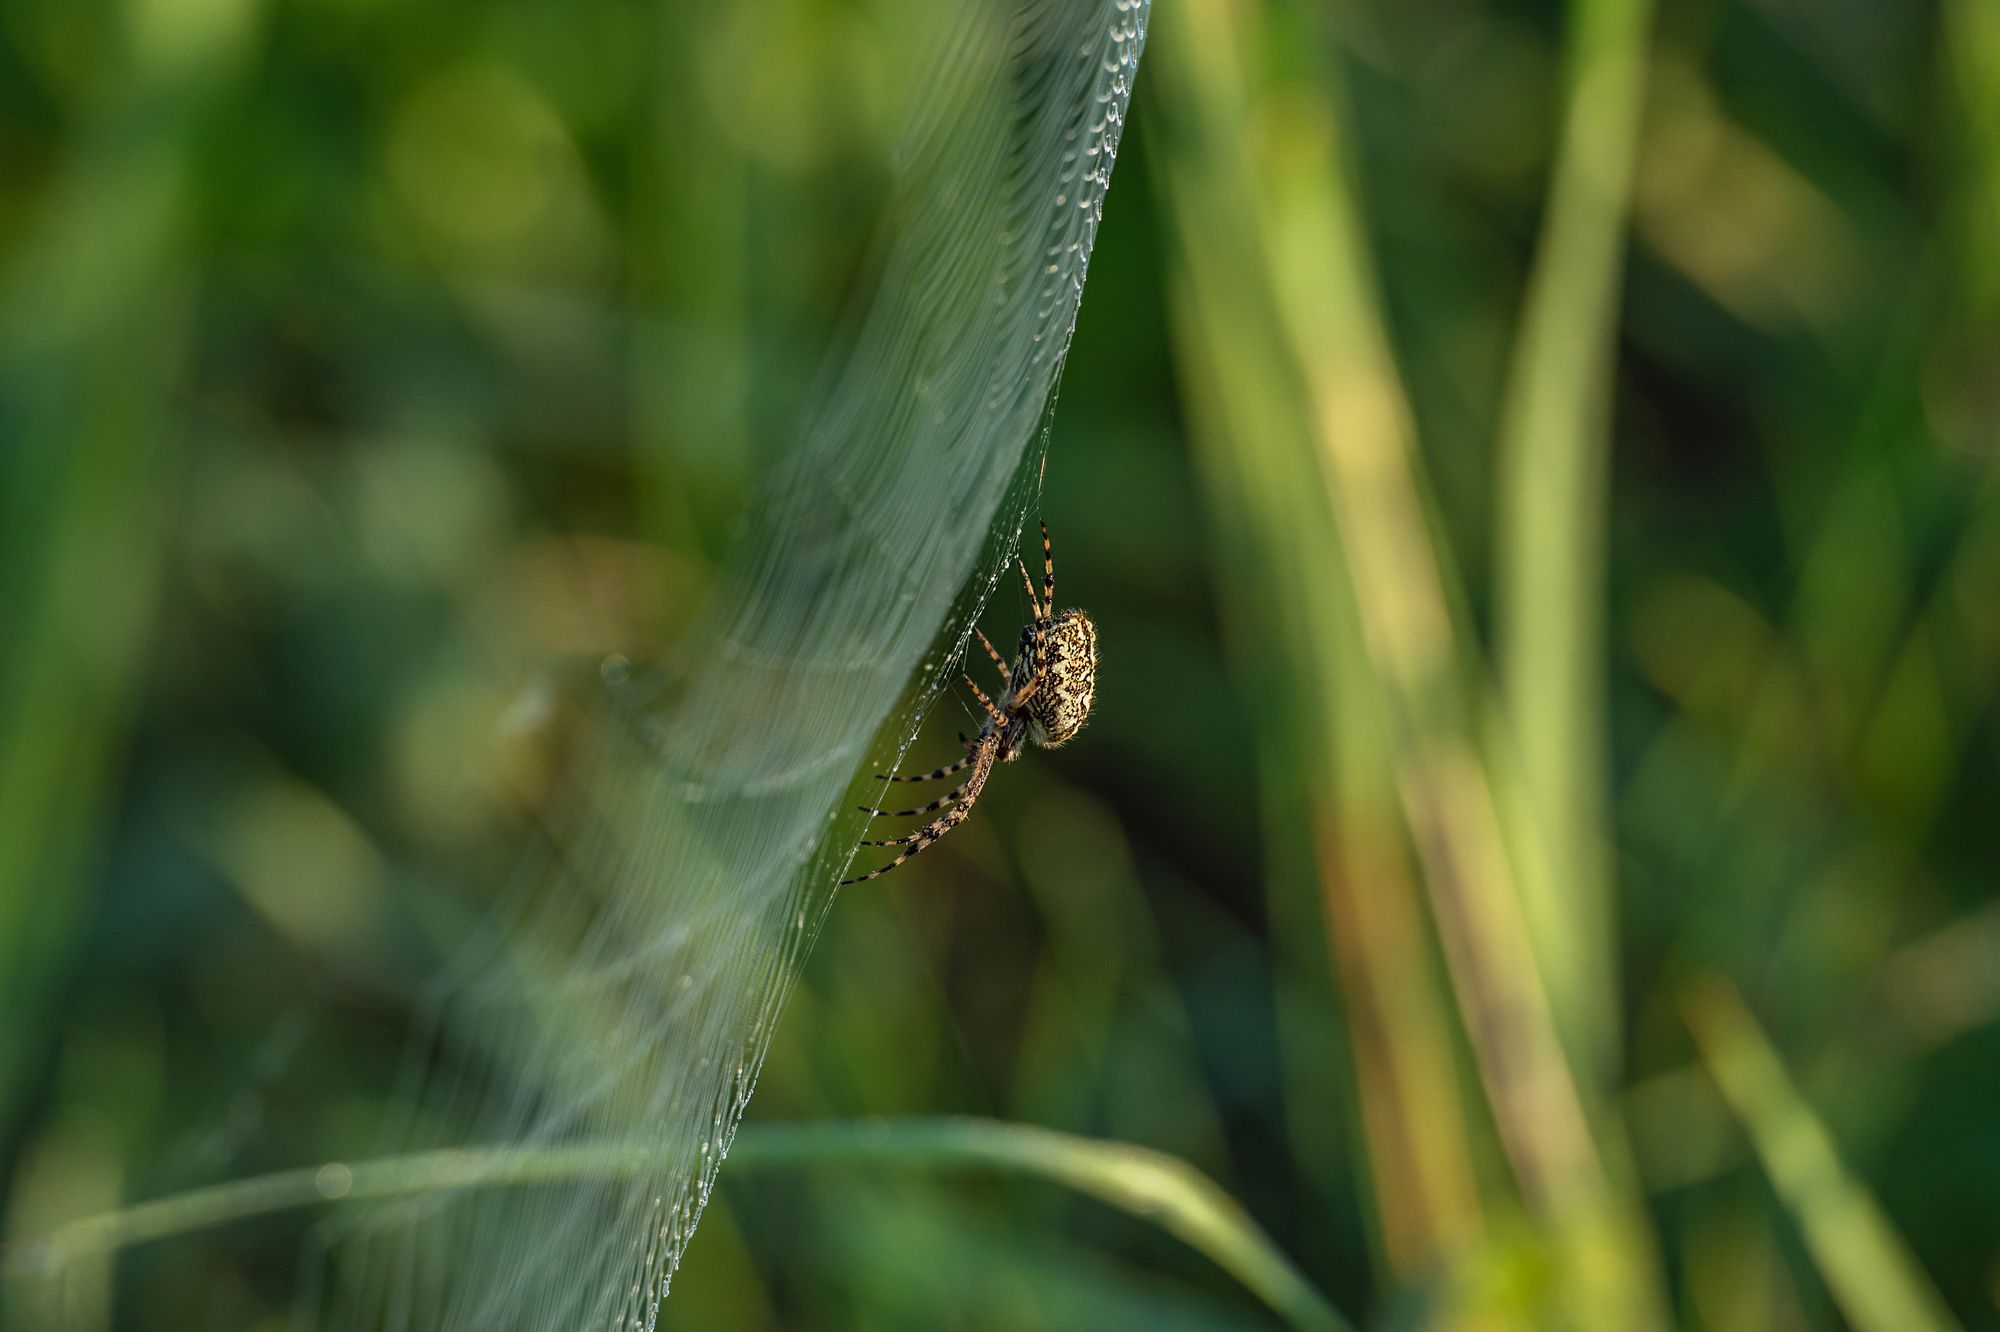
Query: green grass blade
x=1303 y=219
x=1155 y=1187
x=1553 y=450
x=97 y=302
x=1869 y=1268
x=1150 y=1185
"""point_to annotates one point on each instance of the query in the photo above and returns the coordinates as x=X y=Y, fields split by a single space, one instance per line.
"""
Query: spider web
x=629 y=991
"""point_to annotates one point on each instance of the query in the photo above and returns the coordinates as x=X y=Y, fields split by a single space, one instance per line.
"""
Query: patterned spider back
x=1066 y=657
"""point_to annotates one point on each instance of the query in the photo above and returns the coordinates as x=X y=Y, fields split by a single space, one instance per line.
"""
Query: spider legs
x=1048 y=573
x=918 y=841
x=991 y=651
x=1030 y=584
x=959 y=765
x=965 y=760
x=981 y=756
x=940 y=826
x=985 y=702
x=1044 y=605
x=931 y=808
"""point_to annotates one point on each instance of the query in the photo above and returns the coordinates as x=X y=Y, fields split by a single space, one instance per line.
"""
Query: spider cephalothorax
x=1047 y=700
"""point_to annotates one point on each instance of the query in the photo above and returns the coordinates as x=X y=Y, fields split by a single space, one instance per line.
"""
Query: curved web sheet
x=630 y=993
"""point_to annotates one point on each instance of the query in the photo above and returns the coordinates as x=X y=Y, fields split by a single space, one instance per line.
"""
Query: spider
x=1047 y=700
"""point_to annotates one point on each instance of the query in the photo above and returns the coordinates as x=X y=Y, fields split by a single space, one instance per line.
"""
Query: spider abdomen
x=1067 y=661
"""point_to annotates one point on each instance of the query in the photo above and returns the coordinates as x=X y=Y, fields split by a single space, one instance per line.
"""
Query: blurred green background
x=1534 y=471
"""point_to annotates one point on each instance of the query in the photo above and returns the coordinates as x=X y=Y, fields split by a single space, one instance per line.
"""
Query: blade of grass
x=1553 y=447
x=1280 y=191
x=1869 y=1268
x=97 y=298
x=1150 y=1185
x=1286 y=585
x=1304 y=224
x=1972 y=43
